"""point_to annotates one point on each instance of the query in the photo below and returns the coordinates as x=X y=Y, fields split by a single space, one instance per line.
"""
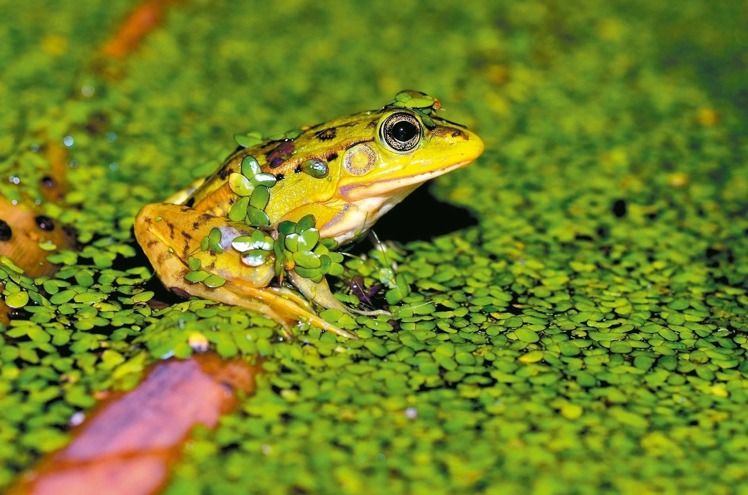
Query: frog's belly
x=358 y=217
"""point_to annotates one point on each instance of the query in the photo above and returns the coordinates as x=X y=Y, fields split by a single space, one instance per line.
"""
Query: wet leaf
x=249 y=139
x=257 y=218
x=238 y=210
x=307 y=259
x=240 y=184
x=250 y=167
x=260 y=197
x=255 y=257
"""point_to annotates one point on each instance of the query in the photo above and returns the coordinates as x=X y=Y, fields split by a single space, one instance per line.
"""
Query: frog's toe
x=320 y=293
x=374 y=312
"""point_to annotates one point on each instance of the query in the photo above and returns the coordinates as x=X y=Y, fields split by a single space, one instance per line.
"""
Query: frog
x=324 y=185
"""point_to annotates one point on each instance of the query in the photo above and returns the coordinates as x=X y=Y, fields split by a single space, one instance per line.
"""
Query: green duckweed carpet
x=587 y=335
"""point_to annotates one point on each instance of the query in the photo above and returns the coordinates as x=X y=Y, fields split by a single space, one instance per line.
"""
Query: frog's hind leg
x=279 y=305
x=227 y=296
x=285 y=303
x=160 y=229
x=274 y=304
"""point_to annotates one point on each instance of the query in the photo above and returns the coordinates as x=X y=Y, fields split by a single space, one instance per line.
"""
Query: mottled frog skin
x=343 y=174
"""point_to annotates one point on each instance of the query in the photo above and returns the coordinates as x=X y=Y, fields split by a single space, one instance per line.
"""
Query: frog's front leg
x=171 y=237
x=320 y=293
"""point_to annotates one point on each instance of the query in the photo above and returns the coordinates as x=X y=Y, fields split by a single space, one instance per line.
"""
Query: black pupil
x=404 y=131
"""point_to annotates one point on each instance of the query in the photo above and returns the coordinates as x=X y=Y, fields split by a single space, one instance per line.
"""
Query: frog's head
x=356 y=168
x=404 y=149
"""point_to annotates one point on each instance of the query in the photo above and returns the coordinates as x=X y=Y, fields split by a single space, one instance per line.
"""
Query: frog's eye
x=401 y=132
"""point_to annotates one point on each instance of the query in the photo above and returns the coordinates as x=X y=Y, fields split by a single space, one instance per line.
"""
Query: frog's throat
x=365 y=204
x=357 y=217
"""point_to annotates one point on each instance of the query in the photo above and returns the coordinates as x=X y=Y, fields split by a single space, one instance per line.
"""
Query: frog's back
x=284 y=159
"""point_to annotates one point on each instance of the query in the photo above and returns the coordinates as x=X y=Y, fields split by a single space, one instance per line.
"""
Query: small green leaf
x=194 y=263
x=248 y=139
x=414 y=99
x=196 y=276
x=255 y=257
x=144 y=296
x=335 y=270
x=404 y=96
x=307 y=259
x=315 y=168
x=214 y=240
x=306 y=223
x=84 y=278
x=325 y=263
x=13 y=267
x=240 y=185
x=260 y=197
x=292 y=134
x=65 y=257
x=280 y=258
x=250 y=167
x=286 y=227
x=257 y=218
x=427 y=120
x=214 y=281
x=52 y=286
x=309 y=239
x=239 y=210
x=62 y=297
x=245 y=243
x=47 y=245
x=266 y=244
x=291 y=242
x=526 y=335
x=17 y=300
x=329 y=243
x=402 y=284
x=242 y=243
x=262 y=240
x=267 y=180
x=214 y=237
x=313 y=274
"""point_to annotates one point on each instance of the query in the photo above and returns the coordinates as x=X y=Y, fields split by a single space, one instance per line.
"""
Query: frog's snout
x=473 y=145
x=455 y=145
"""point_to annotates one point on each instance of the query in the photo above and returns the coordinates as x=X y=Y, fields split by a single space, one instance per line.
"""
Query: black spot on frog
x=326 y=134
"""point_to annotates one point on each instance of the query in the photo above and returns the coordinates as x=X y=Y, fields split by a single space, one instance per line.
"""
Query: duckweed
x=587 y=334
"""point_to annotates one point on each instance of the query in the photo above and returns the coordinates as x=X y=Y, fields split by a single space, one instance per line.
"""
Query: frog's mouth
x=391 y=187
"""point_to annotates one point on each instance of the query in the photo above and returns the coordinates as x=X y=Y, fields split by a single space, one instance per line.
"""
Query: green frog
x=270 y=218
